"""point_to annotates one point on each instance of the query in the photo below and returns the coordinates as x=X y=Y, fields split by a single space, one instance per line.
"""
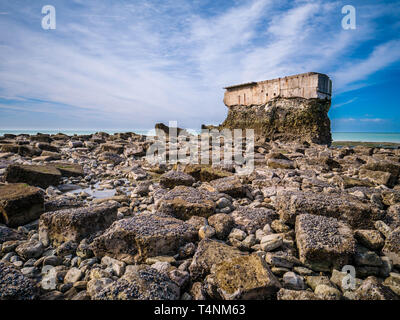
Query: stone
x=30 y=249
x=251 y=219
x=35 y=175
x=69 y=169
x=393 y=282
x=14 y=285
x=205 y=173
x=208 y=253
x=350 y=209
x=242 y=278
x=326 y=292
x=143 y=236
x=197 y=222
x=197 y=291
x=8 y=234
x=75 y=224
x=293 y=281
x=373 y=289
x=73 y=275
x=117 y=266
x=96 y=285
x=271 y=242
x=281 y=259
x=365 y=257
x=392 y=246
x=222 y=223
x=314 y=281
x=284 y=119
x=323 y=243
x=231 y=186
x=206 y=232
x=279 y=227
x=386 y=166
x=237 y=234
x=280 y=164
x=383 y=228
x=161 y=266
x=173 y=178
x=296 y=295
x=377 y=177
x=184 y=202
x=20 y=204
x=110 y=147
x=181 y=278
x=140 y=282
x=372 y=239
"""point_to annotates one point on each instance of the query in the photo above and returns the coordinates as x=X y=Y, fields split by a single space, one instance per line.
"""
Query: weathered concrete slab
x=35 y=175
x=20 y=204
x=323 y=243
x=144 y=236
x=76 y=223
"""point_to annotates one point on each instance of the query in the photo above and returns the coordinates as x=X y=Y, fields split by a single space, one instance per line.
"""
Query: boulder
x=35 y=175
x=357 y=213
x=8 y=234
x=377 y=177
x=143 y=236
x=250 y=219
x=30 y=249
x=373 y=289
x=231 y=186
x=242 y=278
x=392 y=246
x=323 y=243
x=174 y=178
x=76 y=223
x=208 y=253
x=372 y=239
x=20 y=204
x=70 y=169
x=205 y=173
x=113 y=148
x=222 y=224
x=14 y=285
x=295 y=295
x=140 y=282
x=184 y=202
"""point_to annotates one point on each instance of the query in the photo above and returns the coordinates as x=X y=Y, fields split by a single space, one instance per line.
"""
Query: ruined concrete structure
x=307 y=85
x=293 y=108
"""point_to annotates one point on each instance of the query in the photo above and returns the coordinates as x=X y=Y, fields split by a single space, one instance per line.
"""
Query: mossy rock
x=20 y=204
x=35 y=175
x=70 y=169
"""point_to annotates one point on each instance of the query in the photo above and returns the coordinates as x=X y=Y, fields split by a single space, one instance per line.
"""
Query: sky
x=127 y=64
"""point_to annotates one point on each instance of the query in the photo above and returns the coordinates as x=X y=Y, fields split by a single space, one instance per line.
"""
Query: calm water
x=337 y=136
x=366 y=136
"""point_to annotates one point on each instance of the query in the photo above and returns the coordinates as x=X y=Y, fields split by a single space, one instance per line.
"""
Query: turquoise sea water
x=337 y=136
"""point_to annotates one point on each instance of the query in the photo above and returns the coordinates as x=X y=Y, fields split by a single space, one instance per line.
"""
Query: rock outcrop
x=284 y=119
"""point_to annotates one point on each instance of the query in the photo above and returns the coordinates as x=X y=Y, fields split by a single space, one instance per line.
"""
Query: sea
x=336 y=136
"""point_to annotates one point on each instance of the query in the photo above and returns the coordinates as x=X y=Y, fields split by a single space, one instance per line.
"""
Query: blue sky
x=119 y=64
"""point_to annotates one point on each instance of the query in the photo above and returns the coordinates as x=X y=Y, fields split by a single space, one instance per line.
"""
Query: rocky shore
x=88 y=218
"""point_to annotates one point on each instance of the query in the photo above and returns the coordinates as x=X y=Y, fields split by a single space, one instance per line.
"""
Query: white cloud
x=158 y=61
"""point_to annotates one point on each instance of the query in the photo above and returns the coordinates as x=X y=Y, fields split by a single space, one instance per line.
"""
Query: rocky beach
x=87 y=217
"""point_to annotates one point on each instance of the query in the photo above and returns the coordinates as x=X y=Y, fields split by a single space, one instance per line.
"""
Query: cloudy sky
x=126 y=64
